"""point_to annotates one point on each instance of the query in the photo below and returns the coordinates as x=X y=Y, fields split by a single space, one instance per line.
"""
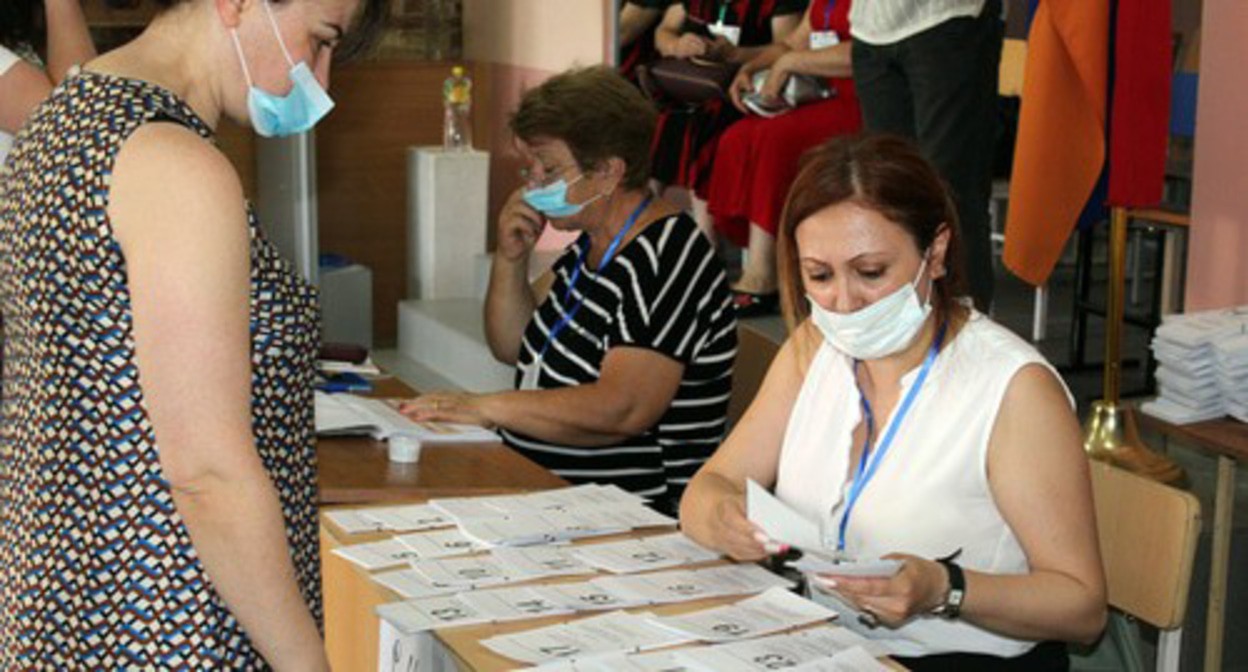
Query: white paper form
x=817 y=563
x=771 y=653
x=466 y=573
x=409 y=518
x=353 y=521
x=616 y=632
x=854 y=659
x=655 y=661
x=536 y=562
x=639 y=555
x=682 y=585
x=778 y=520
x=411 y=584
x=510 y=604
x=772 y=611
x=461 y=509
x=377 y=555
x=447 y=611
x=584 y=596
x=438 y=544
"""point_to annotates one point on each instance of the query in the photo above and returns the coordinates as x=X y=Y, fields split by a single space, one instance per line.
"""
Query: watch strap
x=952 y=606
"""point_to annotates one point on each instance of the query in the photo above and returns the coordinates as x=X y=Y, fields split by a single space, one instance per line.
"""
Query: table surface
x=358 y=470
x=1224 y=436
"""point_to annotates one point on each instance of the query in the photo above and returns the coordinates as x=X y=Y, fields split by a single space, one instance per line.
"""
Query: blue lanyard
x=865 y=471
x=827 y=15
x=576 y=274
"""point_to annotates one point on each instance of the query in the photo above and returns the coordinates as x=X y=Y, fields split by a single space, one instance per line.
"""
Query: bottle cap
x=404 y=449
x=458 y=71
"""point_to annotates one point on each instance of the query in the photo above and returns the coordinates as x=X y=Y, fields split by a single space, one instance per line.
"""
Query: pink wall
x=522 y=42
x=1217 y=262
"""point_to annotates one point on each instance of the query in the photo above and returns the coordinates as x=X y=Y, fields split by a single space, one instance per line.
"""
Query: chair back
x=755 y=350
x=1148 y=533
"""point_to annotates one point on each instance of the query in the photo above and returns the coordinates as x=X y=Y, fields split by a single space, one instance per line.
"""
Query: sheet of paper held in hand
x=782 y=524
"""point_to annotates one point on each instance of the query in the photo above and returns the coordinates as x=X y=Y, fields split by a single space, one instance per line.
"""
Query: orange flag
x=1061 y=132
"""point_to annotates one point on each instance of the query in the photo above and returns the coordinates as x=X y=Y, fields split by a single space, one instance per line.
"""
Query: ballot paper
x=772 y=611
x=411 y=584
x=462 y=509
x=615 y=632
x=485 y=606
x=784 y=525
x=654 y=661
x=350 y=414
x=639 y=555
x=377 y=555
x=774 y=652
x=353 y=521
x=778 y=521
x=437 y=544
x=464 y=573
x=408 y=518
x=854 y=659
x=539 y=562
x=585 y=596
x=681 y=585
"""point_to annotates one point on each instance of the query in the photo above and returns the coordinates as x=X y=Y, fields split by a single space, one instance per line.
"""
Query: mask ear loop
x=276 y=31
x=238 y=47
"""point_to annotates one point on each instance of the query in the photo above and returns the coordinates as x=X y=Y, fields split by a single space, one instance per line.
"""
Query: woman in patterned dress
x=157 y=471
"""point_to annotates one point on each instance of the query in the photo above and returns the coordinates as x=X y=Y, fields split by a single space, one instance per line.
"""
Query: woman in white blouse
x=910 y=426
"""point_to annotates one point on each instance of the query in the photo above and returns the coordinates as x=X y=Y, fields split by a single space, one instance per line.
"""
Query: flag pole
x=1111 y=434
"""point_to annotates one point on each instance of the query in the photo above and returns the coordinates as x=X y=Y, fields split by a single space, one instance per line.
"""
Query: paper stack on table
x=347 y=414
x=1203 y=366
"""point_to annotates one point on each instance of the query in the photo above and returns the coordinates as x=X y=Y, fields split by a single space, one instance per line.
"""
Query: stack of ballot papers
x=346 y=414
x=618 y=634
x=825 y=648
x=1203 y=366
x=784 y=525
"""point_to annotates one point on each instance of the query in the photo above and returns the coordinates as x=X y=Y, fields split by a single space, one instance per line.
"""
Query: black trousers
x=939 y=87
x=1044 y=657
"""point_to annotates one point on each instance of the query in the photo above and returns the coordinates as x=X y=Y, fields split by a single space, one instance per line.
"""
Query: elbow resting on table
x=1090 y=623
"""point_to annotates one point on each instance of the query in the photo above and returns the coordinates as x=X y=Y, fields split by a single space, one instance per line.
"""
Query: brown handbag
x=687 y=81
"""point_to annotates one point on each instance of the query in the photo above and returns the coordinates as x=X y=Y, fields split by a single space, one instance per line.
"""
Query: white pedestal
x=447 y=199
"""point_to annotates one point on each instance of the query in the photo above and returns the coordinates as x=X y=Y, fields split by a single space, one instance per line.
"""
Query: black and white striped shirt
x=664 y=291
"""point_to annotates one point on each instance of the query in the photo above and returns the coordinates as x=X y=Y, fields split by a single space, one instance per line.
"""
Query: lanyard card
x=822 y=39
x=728 y=32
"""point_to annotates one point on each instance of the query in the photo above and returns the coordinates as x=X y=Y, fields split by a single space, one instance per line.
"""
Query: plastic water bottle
x=457 y=101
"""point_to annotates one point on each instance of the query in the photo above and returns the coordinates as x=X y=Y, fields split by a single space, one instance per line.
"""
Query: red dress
x=757 y=158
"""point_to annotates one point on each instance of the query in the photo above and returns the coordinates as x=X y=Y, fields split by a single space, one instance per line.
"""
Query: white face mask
x=881 y=329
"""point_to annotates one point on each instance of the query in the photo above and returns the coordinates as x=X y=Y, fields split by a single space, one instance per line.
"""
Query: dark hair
x=597 y=113
x=361 y=36
x=888 y=175
x=21 y=24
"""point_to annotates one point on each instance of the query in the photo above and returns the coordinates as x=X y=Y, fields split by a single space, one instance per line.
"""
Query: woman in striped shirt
x=624 y=349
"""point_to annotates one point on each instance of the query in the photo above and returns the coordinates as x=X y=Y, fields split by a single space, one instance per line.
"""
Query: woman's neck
x=887 y=372
x=616 y=211
x=173 y=53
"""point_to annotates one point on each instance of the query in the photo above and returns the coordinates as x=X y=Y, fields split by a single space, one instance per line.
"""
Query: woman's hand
x=736 y=536
x=689 y=45
x=917 y=588
x=742 y=84
x=460 y=407
x=519 y=227
x=777 y=77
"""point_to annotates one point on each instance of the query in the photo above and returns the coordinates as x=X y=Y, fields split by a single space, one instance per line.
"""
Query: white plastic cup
x=404 y=449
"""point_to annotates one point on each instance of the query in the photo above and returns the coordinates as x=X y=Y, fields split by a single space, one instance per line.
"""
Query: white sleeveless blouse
x=930 y=494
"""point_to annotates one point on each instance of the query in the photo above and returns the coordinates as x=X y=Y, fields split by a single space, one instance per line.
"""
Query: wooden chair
x=1148 y=533
x=755 y=350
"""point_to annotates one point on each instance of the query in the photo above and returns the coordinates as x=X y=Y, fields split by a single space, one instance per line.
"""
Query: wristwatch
x=952 y=606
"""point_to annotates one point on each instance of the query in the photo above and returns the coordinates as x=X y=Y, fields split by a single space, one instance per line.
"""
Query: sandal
x=750 y=304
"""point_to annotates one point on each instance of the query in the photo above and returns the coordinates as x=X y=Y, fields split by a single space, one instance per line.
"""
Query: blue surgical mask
x=552 y=199
x=274 y=116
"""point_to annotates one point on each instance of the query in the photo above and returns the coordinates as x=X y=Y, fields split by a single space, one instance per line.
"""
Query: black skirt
x=1044 y=657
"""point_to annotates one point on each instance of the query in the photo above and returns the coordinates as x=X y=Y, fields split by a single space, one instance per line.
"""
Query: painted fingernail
x=761 y=538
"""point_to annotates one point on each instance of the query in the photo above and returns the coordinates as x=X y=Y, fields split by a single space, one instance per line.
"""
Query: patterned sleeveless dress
x=97 y=570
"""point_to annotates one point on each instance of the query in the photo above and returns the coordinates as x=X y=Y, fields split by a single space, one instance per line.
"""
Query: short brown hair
x=886 y=174
x=597 y=113
x=361 y=36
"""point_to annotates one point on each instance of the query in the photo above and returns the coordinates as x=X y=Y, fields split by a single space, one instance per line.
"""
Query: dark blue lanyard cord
x=866 y=471
x=576 y=274
x=827 y=15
